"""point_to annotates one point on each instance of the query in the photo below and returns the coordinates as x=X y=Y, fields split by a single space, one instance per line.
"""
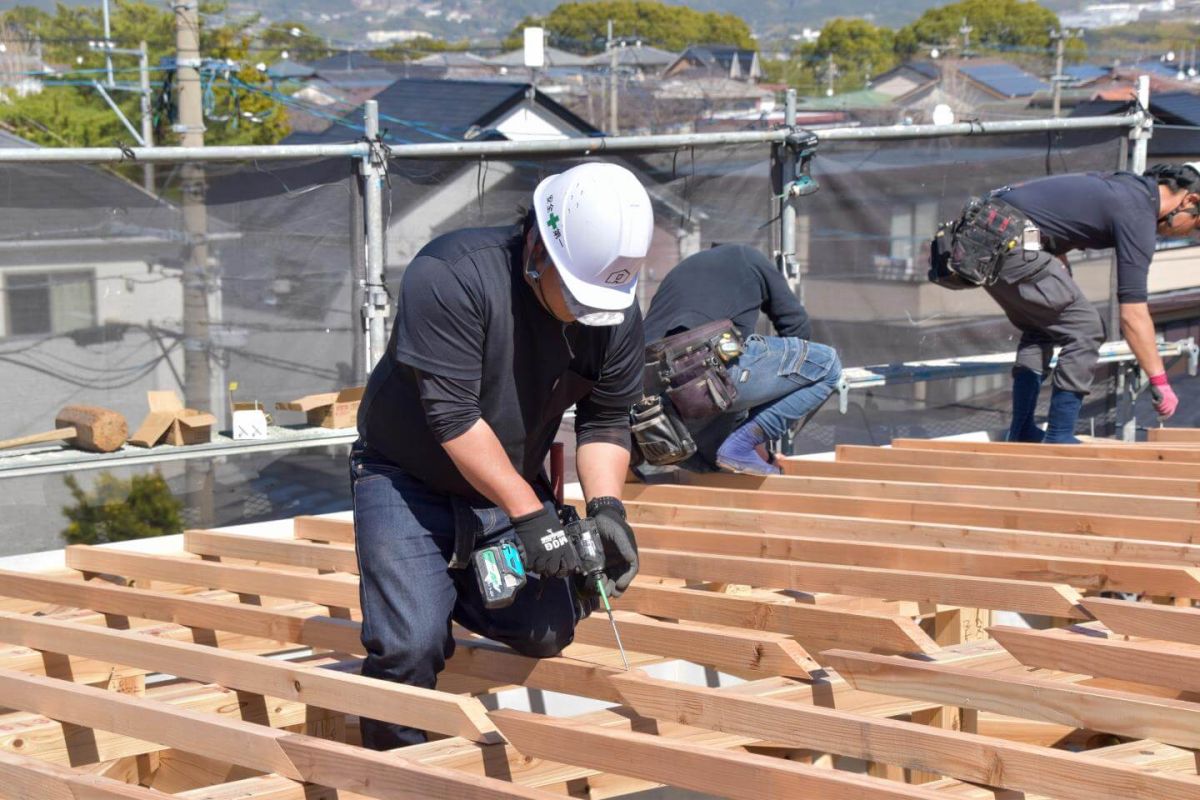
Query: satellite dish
x=943 y=114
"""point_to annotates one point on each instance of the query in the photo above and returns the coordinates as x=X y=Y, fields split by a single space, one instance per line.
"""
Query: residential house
x=716 y=60
x=972 y=88
x=1177 y=116
x=638 y=58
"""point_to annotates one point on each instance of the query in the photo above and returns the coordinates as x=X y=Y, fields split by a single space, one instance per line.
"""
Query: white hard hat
x=596 y=222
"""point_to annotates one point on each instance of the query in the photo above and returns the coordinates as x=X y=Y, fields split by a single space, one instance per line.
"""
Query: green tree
x=583 y=26
x=854 y=48
x=1000 y=25
x=300 y=43
x=117 y=510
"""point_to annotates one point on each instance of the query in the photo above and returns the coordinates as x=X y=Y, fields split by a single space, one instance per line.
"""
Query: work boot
x=1027 y=384
x=1064 y=413
x=738 y=453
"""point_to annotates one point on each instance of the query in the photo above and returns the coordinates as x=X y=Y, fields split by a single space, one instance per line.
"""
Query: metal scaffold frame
x=372 y=155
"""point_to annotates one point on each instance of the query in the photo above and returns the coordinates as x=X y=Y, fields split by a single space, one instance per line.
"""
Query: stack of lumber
x=854 y=600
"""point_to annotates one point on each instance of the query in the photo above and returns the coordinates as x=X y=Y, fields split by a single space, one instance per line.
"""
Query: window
x=49 y=302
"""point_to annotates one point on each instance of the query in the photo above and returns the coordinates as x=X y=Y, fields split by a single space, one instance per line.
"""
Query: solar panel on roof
x=1005 y=79
x=1085 y=72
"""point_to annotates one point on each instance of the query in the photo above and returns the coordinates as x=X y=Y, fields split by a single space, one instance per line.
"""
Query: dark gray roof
x=422 y=110
x=640 y=55
x=720 y=55
x=286 y=68
x=1082 y=73
x=554 y=58
x=1007 y=80
x=1178 y=113
x=351 y=59
x=1176 y=108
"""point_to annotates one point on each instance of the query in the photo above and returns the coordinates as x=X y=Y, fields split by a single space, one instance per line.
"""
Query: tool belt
x=689 y=368
x=661 y=436
x=969 y=251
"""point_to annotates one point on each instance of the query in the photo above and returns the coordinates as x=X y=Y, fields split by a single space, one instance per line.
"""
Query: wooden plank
x=337 y=558
x=267 y=787
x=323 y=529
x=842 y=528
x=353 y=694
x=959 y=590
x=895 y=487
x=1143 y=527
x=1190 y=435
x=963 y=475
x=1045 y=462
x=729 y=774
x=731 y=650
x=815 y=628
x=24 y=778
x=1088 y=450
x=966 y=756
x=1089 y=574
x=1176 y=666
x=1124 y=713
x=1149 y=620
x=291 y=755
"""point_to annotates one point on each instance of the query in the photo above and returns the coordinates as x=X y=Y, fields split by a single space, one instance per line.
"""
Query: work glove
x=544 y=546
x=620 y=546
x=1165 y=399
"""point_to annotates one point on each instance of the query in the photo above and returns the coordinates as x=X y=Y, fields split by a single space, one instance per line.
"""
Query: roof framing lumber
x=931 y=587
x=353 y=694
x=1129 y=527
x=730 y=774
x=1190 y=435
x=1041 y=462
x=969 y=757
x=1148 y=620
x=1123 y=452
x=293 y=756
x=1090 y=574
x=881 y=469
x=1029 y=697
x=903 y=532
x=323 y=529
x=24 y=777
x=1090 y=652
x=815 y=628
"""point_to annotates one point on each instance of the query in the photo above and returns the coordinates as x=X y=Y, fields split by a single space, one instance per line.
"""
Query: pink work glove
x=1165 y=399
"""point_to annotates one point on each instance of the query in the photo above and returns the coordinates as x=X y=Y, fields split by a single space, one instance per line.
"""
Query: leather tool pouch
x=660 y=435
x=690 y=367
x=988 y=230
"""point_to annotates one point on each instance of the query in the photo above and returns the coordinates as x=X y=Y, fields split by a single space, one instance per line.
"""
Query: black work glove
x=544 y=546
x=620 y=546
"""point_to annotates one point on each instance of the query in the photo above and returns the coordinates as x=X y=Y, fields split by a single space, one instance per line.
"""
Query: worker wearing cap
x=498 y=332
x=780 y=380
x=1038 y=293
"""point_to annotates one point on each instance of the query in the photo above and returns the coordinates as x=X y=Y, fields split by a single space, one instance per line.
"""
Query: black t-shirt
x=730 y=281
x=466 y=313
x=1097 y=210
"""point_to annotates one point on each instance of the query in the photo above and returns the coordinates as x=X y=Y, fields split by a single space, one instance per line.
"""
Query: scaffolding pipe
x=1143 y=129
x=787 y=210
x=573 y=146
x=375 y=298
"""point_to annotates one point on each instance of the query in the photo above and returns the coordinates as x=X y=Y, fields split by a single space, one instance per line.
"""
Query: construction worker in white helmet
x=498 y=332
x=1014 y=242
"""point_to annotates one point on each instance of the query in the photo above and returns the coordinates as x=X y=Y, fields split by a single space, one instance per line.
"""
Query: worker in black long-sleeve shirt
x=780 y=379
x=1039 y=295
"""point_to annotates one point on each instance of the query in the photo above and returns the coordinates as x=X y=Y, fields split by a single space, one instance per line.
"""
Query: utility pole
x=197 y=370
x=108 y=45
x=965 y=31
x=1060 y=50
x=612 y=82
x=830 y=75
x=147 y=117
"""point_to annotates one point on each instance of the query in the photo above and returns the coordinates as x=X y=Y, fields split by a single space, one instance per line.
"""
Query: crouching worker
x=733 y=390
x=1013 y=243
x=498 y=332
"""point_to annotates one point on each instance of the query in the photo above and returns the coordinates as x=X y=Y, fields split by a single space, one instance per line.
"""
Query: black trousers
x=1039 y=295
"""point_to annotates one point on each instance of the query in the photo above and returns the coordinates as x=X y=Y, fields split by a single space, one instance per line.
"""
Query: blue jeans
x=404 y=538
x=780 y=381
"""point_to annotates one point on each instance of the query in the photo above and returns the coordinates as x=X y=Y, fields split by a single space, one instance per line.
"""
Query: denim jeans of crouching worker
x=404 y=537
x=780 y=381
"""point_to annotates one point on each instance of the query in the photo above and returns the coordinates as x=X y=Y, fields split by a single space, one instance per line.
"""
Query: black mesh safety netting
x=94 y=273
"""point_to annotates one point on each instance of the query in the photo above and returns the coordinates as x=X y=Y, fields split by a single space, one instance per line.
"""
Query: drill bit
x=611 y=621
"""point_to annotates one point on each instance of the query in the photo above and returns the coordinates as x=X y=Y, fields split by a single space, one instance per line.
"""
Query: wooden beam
x=959 y=590
x=1089 y=574
x=1027 y=696
x=963 y=475
x=738 y=652
x=1190 y=435
x=707 y=769
x=334 y=557
x=970 y=757
x=901 y=532
x=1148 y=620
x=1166 y=530
x=1091 y=501
x=1115 y=450
x=352 y=694
x=323 y=529
x=291 y=755
x=23 y=777
x=1044 y=462
x=1176 y=666
x=815 y=628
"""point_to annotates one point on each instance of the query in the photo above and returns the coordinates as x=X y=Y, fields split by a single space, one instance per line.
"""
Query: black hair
x=1176 y=177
